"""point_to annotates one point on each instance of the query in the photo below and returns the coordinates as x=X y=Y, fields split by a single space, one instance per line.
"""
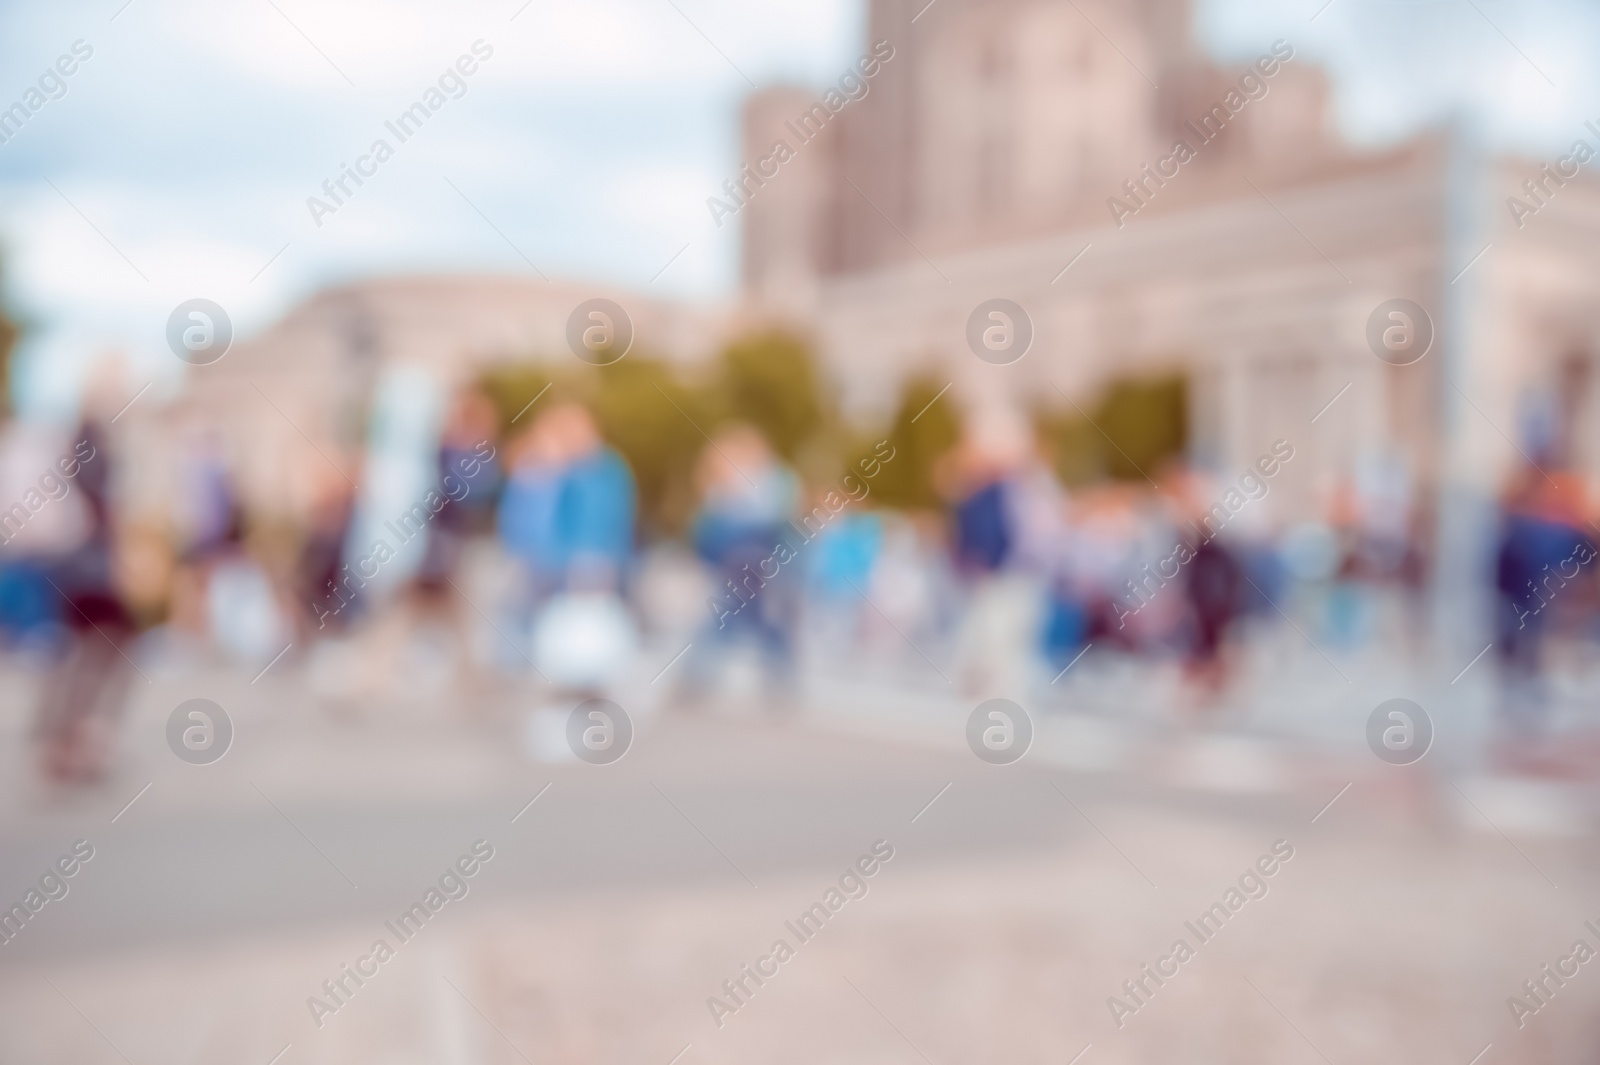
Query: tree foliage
x=772 y=381
x=654 y=420
x=659 y=418
x=924 y=427
x=1135 y=427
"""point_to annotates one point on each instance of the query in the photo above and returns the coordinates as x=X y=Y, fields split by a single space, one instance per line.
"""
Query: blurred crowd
x=522 y=557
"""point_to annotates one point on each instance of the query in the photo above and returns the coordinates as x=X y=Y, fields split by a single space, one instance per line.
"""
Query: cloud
x=590 y=140
x=1397 y=68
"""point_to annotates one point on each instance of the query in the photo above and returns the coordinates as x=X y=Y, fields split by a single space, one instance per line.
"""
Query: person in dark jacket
x=1542 y=549
x=83 y=696
x=1214 y=587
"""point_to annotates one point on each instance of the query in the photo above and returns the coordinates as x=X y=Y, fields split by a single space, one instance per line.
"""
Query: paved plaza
x=1018 y=901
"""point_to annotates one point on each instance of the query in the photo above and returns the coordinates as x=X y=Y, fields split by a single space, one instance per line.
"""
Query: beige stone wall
x=1232 y=294
x=1021 y=118
x=304 y=385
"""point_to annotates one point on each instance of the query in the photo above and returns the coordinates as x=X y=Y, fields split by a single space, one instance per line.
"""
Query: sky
x=177 y=159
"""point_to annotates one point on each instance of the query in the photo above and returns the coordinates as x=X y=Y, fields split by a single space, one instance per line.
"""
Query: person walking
x=83 y=696
x=982 y=478
x=1542 y=549
x=567 y=514
x=747 y=498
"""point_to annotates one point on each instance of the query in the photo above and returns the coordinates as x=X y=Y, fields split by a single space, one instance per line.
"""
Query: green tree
x=1148 y=422
x=512 y=388
x=641 y=409
x=1130 y=431
x=1075 y=449
x=655 y=422
x=924 y=427
x=772 y=381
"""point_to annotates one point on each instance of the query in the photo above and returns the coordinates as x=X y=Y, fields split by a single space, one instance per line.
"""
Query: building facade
x=1029 y=150
x=1154 y=211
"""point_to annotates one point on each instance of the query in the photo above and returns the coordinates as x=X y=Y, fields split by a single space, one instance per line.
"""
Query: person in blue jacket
x=567 y=512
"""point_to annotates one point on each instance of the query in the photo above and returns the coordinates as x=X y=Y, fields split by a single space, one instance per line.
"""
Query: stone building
x=1028 y=150
x=376 y=359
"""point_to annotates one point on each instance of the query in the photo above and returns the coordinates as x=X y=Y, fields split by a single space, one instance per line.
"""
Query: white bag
x=584 y=640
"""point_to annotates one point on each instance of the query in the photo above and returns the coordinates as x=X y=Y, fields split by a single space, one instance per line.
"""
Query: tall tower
x=873 y=182
x=1168 y=26
x=787 y=220
x=990 y=121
